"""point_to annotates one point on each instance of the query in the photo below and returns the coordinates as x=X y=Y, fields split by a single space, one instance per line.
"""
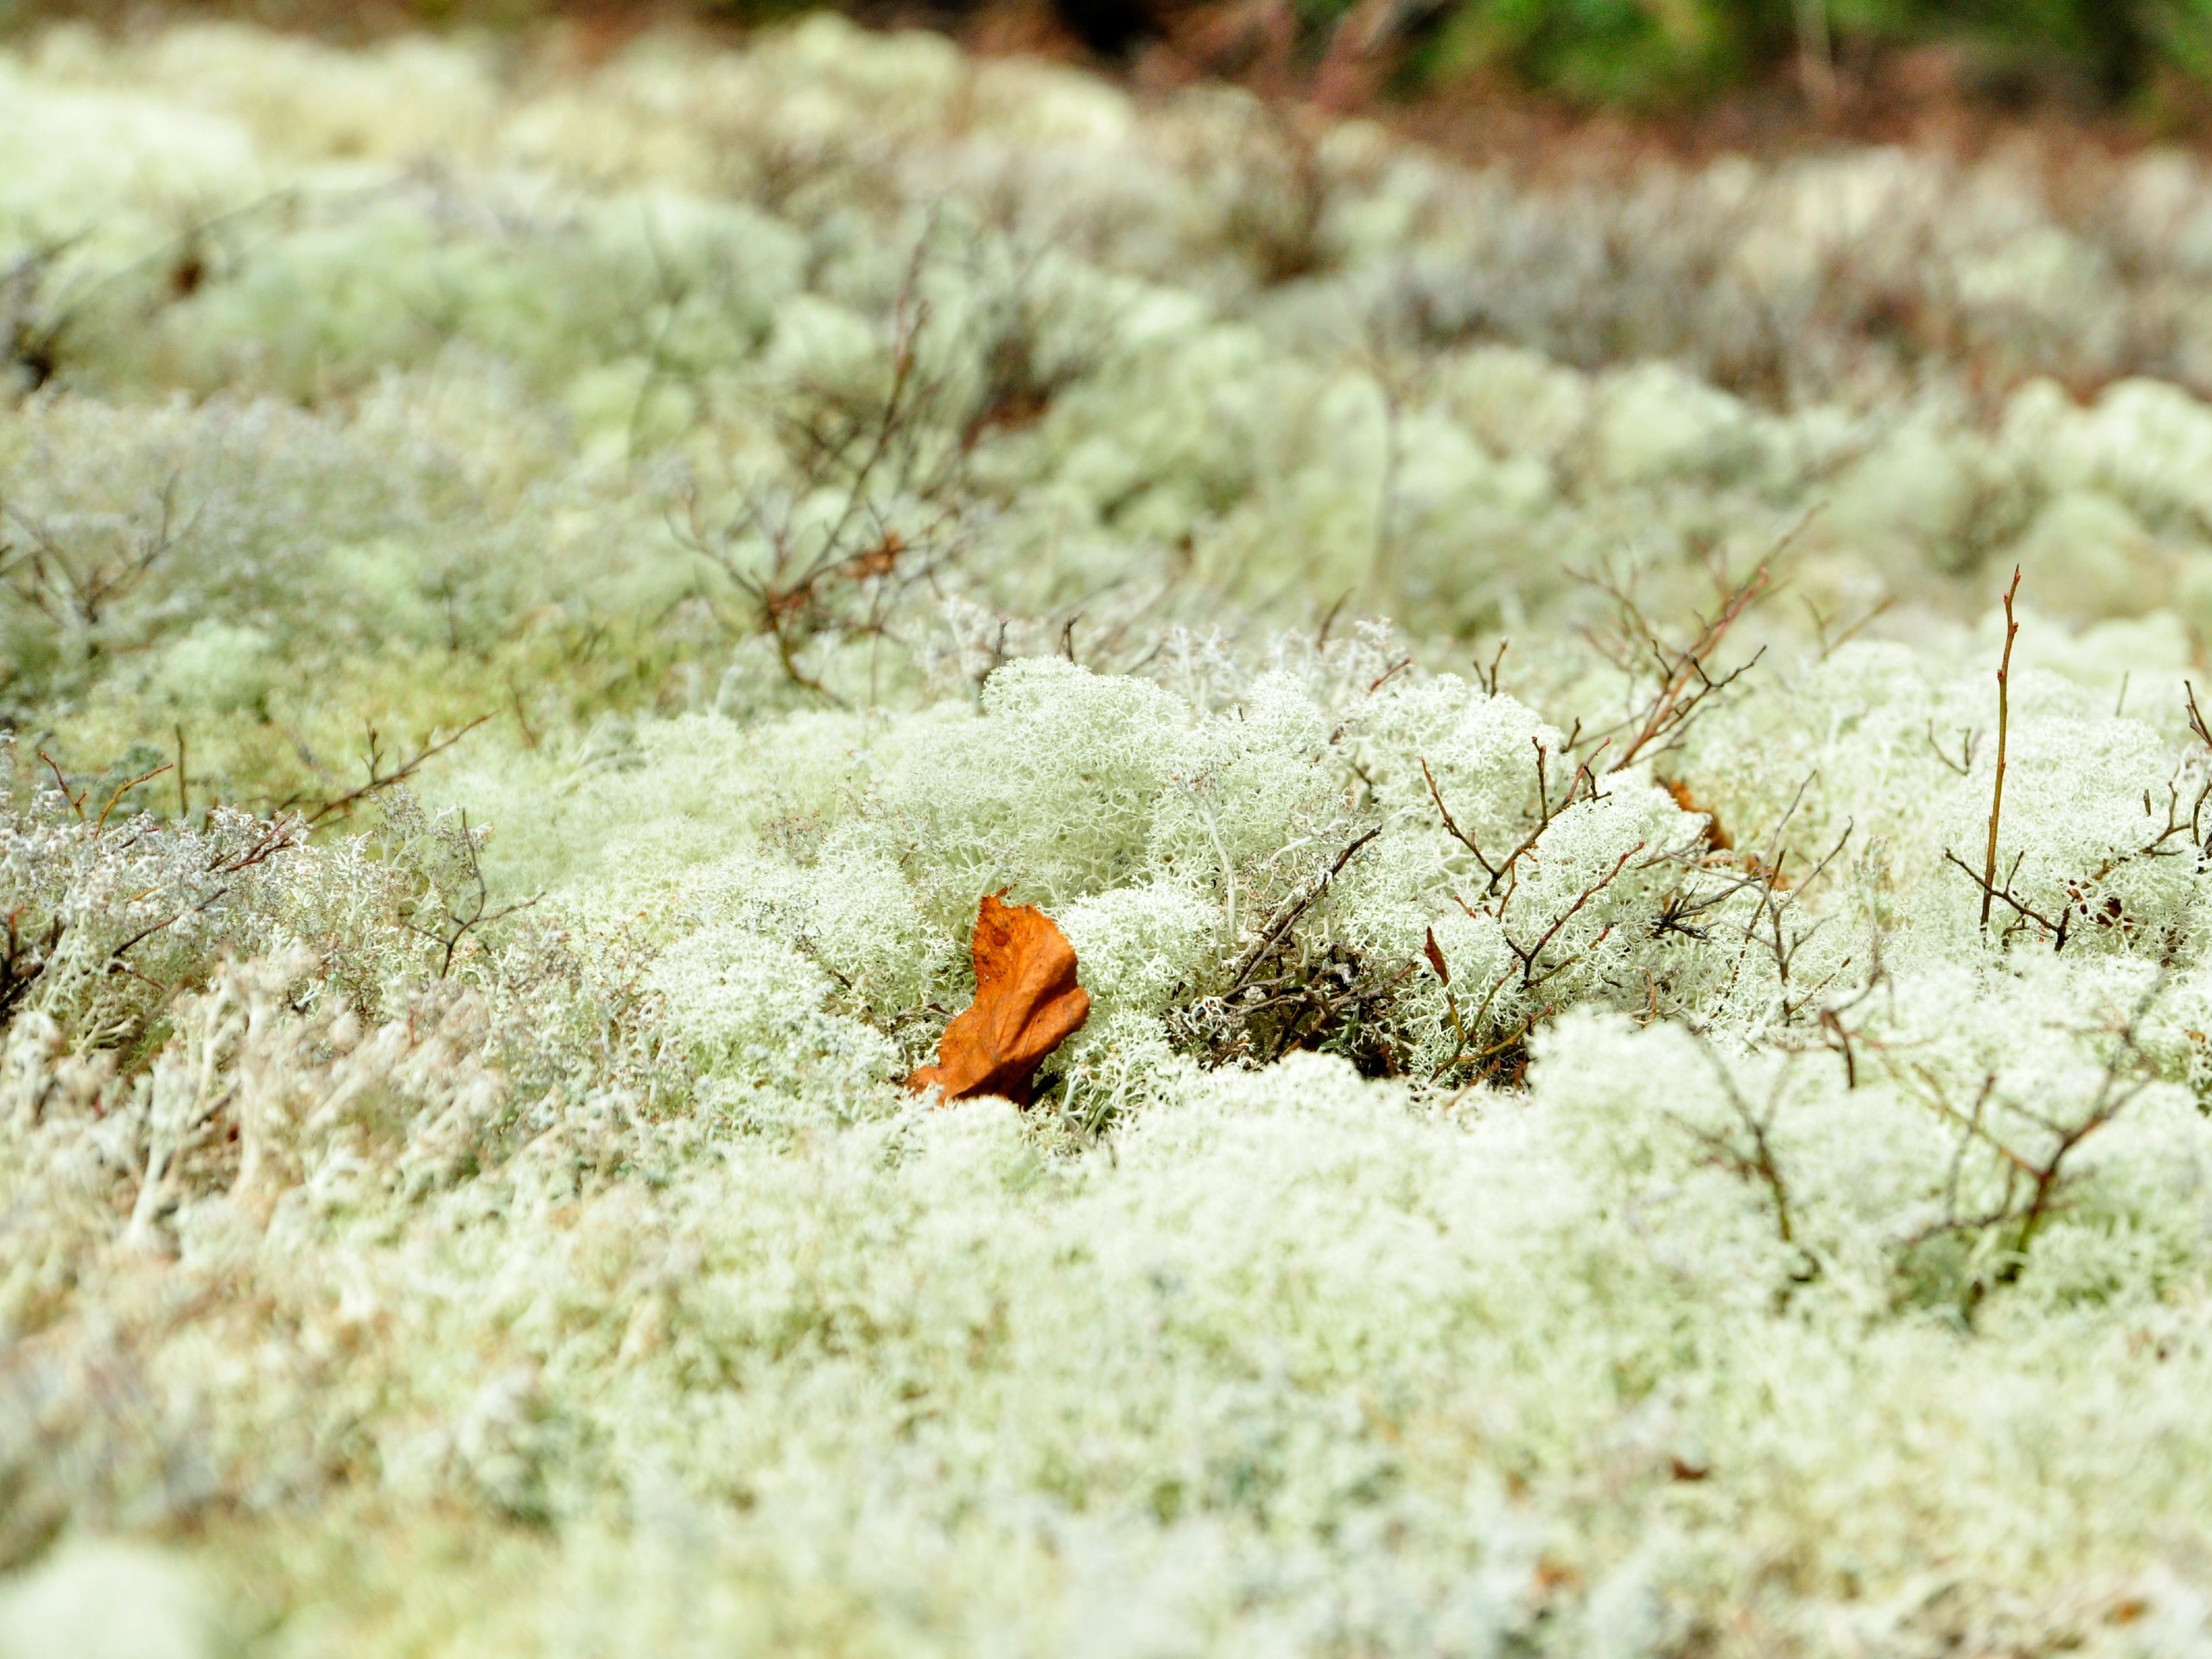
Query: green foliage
x=1643 y=54
x=1619 y=52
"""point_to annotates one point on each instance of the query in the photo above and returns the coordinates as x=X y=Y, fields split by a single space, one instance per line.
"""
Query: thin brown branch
x=379 y=781
x=123 y=790
x=1297 y=908
x=2003 y=715
x=76 y=802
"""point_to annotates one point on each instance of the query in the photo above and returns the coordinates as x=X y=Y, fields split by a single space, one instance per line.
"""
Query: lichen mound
x=1504 y=1096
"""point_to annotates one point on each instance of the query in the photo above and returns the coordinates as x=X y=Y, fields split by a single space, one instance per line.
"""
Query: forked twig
x=379 y=780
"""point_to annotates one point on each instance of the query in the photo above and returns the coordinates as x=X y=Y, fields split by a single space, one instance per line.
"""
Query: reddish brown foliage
x=1027 y=1003
x=1435 y=956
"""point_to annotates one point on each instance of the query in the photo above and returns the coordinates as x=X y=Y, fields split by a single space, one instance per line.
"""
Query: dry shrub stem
x=379 y=778
x=1688 y=682
x=2004 y=716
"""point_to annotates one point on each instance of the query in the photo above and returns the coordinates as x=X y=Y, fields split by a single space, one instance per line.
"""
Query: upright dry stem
x=2003 y=715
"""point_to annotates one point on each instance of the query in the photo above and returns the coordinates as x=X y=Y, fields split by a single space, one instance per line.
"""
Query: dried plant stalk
x=2003 y=717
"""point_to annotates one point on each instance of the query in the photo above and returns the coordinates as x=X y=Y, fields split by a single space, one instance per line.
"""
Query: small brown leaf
x=1715 y=836
x=1027 y=1003
x=1435 y=956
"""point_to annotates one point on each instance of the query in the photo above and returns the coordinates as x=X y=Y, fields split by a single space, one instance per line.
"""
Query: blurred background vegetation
x=1647 y=53
x=2136 y=57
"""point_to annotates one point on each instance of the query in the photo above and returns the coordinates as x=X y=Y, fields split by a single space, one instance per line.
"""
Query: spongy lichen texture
x=539 y=591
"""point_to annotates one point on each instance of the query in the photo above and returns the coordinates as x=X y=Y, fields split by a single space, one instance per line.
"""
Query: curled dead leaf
x=1027 y=1003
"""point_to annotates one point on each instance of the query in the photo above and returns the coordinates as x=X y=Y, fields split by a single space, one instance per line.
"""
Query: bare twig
x=379 y=778
x=1304 y=901
x=77 y=801
x=2035 y=1184
x=1530 y=956
x=2197 y=715
x=1964 y=765
x=476 y=911
x=1582 y=786
x=1687 y=682
x=1993 y=892
x=121 y=789
x=1488 y=677
x=2004 y=714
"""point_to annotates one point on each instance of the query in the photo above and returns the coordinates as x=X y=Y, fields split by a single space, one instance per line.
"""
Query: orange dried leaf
x=1027 y=1003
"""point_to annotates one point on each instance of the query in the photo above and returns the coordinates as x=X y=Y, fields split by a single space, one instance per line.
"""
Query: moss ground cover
x=539 y=597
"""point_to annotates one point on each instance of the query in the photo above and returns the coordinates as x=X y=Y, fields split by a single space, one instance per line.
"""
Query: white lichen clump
x=536 y=600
